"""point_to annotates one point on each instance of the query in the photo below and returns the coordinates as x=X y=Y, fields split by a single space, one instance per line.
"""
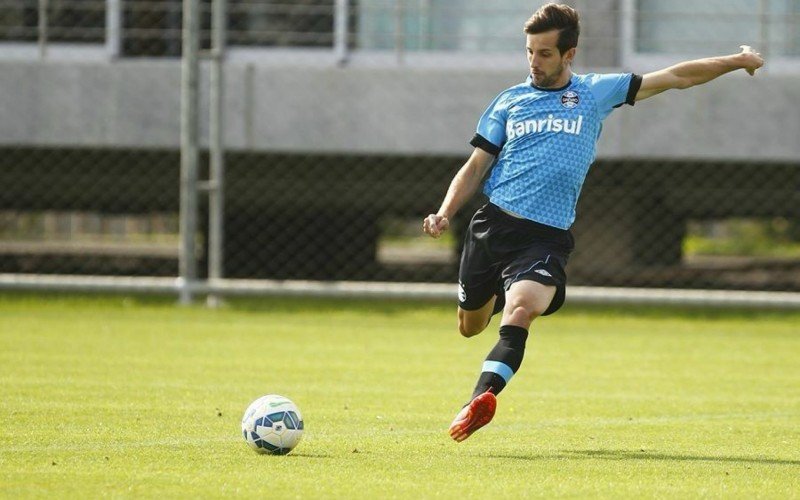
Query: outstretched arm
x=690 y=73
x=463 y=186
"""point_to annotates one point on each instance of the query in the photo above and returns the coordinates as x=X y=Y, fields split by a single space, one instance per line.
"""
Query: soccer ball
x=272 y=424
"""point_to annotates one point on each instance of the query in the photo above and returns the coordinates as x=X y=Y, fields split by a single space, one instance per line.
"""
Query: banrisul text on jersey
x=550 y=124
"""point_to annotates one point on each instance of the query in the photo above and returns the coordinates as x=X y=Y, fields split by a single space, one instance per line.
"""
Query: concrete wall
x=600 y=33
x=374 y=110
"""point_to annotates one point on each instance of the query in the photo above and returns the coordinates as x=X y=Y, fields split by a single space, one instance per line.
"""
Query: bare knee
x=521 y=316
x=473 y=322
x=527 y=301
x=470 y=329
x=470 y=325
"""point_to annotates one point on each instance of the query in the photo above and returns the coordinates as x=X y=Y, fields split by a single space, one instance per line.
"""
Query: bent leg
x=471 y=323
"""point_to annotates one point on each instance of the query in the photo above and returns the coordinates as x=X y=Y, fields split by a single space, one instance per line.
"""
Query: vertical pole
x=424 y=34
x=764 y=17
x=399 y=31
x=189 y=149
x=216 y=200
x=629 y=33
x=113 y=28
x=341 y=27
x=43 y=7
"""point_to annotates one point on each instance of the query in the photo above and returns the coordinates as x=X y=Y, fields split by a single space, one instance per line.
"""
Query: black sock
x=503 y=361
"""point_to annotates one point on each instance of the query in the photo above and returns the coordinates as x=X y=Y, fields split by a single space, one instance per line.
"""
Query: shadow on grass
x=646 y=455
x=301 y=455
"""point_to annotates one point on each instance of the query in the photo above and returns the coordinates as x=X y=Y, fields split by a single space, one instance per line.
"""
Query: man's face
x=548 y=67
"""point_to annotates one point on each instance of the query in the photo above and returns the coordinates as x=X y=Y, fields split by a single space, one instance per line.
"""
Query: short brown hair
x=553 y=16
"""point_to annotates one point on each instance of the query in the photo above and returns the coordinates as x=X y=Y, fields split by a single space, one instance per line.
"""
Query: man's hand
x=751 y=60
x=435 y=225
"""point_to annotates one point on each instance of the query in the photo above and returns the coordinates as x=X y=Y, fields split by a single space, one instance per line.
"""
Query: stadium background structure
x=708 y=172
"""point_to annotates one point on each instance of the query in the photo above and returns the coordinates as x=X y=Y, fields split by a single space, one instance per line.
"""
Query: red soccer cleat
x=472 y=417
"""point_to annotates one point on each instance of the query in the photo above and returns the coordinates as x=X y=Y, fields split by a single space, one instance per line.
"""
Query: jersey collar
x=530 y=81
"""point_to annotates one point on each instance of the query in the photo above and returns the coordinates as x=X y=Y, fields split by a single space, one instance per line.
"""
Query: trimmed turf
x=131 y=397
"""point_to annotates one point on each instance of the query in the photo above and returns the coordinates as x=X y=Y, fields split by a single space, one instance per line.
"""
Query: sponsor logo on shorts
x=543 y=273
x=462 y=293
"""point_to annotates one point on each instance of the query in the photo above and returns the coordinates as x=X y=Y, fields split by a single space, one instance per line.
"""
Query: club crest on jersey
x=569 y=99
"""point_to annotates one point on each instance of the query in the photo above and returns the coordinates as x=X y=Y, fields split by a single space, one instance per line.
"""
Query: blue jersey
x=545 y=140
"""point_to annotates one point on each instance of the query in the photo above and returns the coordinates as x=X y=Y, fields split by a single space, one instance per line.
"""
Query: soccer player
x=538 y=139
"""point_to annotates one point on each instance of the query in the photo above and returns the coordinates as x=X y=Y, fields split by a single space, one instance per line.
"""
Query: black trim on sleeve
x=636 y=84
x=633 y=89
x=482 y=142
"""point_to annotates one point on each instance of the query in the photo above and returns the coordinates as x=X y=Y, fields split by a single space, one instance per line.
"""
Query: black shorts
x=500 y=249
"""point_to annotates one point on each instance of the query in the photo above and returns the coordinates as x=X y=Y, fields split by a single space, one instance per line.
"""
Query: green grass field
x=141 y=398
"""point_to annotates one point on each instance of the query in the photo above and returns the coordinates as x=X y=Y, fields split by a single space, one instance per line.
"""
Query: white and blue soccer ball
x=272 y=424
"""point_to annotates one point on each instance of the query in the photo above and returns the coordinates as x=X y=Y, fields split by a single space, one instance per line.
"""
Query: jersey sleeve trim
x=633 y=89
x=480 y=141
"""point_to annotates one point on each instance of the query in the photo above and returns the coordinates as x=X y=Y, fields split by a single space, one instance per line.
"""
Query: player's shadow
x=647 y=455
